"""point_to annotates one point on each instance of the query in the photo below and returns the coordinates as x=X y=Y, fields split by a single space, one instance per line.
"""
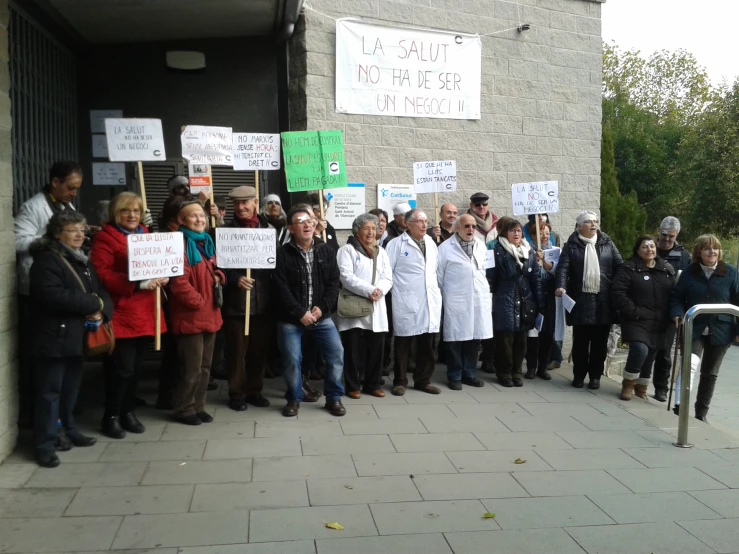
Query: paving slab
x=654 y=538
x=596 y=458
x=153 y=451
x=522 y=441
x=608 y=439
x=293 y=547
x=198 y=471
x=224 y=414
x=721 y=535
x=249 y=496
x=487 y=411
x=448 y=442
x=727 y=475
x=468 y=486
x=431 y=517
x=569 y=483
x=369 y=465
x=724 y=502
x=623 y=422
x=546 y=512
x=463 y=424
x=346 y=444
x=731 y=455
x=87 y=454
x=652 y=507
x=527 y=541
x=63 y=534
x=112 y=501
x=361 y=490
x=507 y=396
x=495 y=461
x=668 y=479
x=15 y=475
x=231 y=430
x=408 y=411
x=357 y=412
x=89 y=475
x=294 y=428
x=300 y=467
x=310 y=523
x=676 y=457
x=542 y=423
x=223 y=449
x=383 y=427
x=35 y=502
x=560 y=409
x=446 y=397
x=428 y=544
x=204 y=529
x=153 y=433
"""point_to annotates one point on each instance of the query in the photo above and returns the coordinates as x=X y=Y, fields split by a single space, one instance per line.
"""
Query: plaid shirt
x=308 y=257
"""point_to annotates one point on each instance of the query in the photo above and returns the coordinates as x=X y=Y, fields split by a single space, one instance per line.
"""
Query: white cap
x=401 y=209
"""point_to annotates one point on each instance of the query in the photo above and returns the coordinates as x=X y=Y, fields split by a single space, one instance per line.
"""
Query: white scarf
x=591 y=272
x=518 y=252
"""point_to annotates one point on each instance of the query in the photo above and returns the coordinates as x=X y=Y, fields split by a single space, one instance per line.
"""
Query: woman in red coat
x=133 y=314
x=194 y=315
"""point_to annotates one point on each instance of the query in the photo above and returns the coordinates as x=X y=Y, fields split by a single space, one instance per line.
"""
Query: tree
x=621 y=216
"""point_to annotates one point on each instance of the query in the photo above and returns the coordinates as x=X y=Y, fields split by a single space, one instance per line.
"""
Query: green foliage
x=621 y=216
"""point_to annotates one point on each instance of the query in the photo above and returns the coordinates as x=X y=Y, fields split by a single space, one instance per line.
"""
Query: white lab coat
x=416 y=294
x=356 y=276
x=30 y=225
x=468 y=306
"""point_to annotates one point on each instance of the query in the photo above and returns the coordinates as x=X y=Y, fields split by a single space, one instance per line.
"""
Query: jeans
x=639 y=363
x=329 y=347
x=57 y=384
x=556 y=355
x=711 y=357
x=589 y=350
x=461 y=359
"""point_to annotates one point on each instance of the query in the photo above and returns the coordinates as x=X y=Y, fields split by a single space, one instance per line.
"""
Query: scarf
x=520 y=253
x=484 y=225
x=76 y=254
x=468 y=247
x=359 y=247
x=191 y=247
x=591 y=271
x=139 y=230
x=251 y=223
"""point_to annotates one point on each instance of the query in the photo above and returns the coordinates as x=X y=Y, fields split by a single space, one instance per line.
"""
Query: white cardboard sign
x=391 y=195
x=489 y=259
x=155 y=256
x=535 y=198
x=135 y=140
x=408 y=72
x=435 y=176
x=238 y=248
x=345 y=205
x=207 y=145
x=256 y=151
x=108 y=174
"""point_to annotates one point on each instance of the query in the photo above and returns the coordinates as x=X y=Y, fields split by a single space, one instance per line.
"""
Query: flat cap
x=479 y=197
x=244 y=192
x=401 y=209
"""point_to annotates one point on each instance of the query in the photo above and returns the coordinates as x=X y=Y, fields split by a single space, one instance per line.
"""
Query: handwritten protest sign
x=207 y=145
x=135 y=140
x=155 y=256
x=314 y=160
x=256 y=151
x=201 y=178
x=246 y=248
x=435 y=176
x=399 y=71
x=108 y=174
x=345 y=205
x=535 y=198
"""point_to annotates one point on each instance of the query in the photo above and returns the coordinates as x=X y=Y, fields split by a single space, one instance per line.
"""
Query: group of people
x=479 y=281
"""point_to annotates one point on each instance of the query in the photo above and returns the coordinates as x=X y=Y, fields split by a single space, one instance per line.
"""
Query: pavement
x=563 y=471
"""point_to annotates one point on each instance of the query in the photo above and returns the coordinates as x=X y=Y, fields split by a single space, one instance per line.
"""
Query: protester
x=539 y=344
x=516 y=286
x=307 y=286
x=485 y=219
x=641 y=295
x=529 y=231
x=679 y=258
x=708 y=280
x=381 y=216
x=246 y=355
x=587 y=266
x=65 y=295
x=416 y=302
x=133 y=314
x=448 y=214
x=397 y=226
x=274 y=214
x=179 y=187
x=221 y=203
x=467 y=302
x=322 y=224
x=365 y=273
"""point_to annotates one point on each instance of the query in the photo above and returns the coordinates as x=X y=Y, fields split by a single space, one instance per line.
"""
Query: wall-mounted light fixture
x=524 y=27
x=184 y=60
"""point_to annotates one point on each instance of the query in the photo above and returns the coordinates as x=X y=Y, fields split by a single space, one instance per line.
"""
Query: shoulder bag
x=352 y=305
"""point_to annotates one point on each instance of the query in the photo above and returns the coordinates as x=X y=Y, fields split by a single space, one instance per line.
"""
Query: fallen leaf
x=519 y=461
x=335 y=526
x=182 y=464
x=488 y=515
x=306 y=474
x=348 y=487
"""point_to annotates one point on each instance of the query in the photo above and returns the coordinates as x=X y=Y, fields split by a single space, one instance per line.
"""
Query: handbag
x=217 y=289
x=352 y=305
x=101 y=340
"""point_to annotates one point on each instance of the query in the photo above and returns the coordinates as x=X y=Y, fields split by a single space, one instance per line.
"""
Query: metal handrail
x=691 y=314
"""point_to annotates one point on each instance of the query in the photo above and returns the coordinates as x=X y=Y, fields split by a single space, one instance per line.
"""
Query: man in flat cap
x=484 y=218
x=246 y=354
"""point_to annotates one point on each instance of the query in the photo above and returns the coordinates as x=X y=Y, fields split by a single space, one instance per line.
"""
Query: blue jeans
x=556 y=355
x=330 y=348
x=461 y=359
x=639 y=363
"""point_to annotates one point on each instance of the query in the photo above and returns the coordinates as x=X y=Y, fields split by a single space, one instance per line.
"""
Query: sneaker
x=472 y=382
x=660 y=395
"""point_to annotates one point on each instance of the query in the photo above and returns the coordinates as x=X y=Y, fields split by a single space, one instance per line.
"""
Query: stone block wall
x=541 y=100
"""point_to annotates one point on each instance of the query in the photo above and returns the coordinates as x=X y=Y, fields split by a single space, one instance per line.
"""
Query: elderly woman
x=381 y=216
x=587 y=266
x=641 y=294
x=275 y=215
x=195 y=315
x=133 y=314
x=708 y=280
x=67 y=300
x=366 y=275
x=516 y=286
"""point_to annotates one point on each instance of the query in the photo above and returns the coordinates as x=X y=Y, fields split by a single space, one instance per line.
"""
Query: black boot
x=131 y=423
x=111 y=427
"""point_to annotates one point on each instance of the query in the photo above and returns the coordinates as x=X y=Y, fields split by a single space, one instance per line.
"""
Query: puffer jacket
x=722 y=288
x=511 y=286
x=678 y=257
x=641 y=295
x=590 y=309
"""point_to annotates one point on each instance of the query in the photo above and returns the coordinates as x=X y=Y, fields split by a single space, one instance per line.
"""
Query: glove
x=146 y=220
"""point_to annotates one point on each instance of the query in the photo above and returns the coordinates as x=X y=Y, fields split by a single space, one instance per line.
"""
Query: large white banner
x=398 y=71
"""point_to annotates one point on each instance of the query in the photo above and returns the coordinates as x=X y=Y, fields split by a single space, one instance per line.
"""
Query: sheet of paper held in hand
x=567 y=303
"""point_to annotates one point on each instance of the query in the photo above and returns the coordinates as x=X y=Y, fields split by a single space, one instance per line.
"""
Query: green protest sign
x=314 y=160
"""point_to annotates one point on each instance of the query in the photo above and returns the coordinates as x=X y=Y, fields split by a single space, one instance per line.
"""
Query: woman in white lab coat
x=365 y=274
x=468 y=304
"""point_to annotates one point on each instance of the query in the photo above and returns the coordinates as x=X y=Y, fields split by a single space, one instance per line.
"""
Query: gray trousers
x=712 y=356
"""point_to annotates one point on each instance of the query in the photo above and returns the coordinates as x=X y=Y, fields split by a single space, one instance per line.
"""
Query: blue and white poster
x=391 y=195
x=345 y=204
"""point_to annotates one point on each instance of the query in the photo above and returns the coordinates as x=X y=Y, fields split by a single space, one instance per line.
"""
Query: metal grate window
x=43 y=94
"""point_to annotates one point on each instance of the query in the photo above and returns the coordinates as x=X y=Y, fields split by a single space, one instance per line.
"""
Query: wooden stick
x=158 y=323
x=538 y=237
x=212 y=201
x=437 y=217
x=256 y=186
x=248 y=306
x=141 y=185
x=320 y=204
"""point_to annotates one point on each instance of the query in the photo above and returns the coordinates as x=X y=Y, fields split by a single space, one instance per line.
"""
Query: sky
x=706 y=28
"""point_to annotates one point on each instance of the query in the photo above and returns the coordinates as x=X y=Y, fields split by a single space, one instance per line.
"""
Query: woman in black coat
x=63 y=311
x=641 y=295
x=587 y=266
x=515 y=284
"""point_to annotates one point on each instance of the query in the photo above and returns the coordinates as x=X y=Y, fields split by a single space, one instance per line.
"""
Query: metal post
x=692 y=313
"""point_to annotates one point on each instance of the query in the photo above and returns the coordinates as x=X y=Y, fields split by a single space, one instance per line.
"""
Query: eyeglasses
x=130 y=212
x=472 y=226
x=480 y=204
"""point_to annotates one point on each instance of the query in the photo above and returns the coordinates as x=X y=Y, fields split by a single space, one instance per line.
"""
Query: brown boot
x=641 y=391
x=627 y=387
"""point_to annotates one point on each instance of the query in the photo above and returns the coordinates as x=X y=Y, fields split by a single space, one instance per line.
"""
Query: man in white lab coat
x=468 y=316
x=416 y=302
